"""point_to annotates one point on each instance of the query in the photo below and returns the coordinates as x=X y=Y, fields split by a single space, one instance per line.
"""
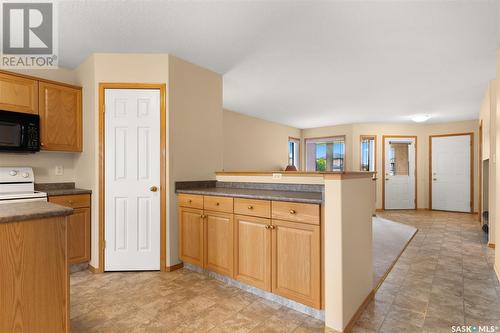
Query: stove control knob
x=13 y=172
x=25 y=175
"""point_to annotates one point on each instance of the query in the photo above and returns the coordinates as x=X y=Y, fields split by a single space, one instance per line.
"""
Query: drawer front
x=297 y=212
x=218 y=204
x=73 y=201
x=252 y=207
x=190 y=201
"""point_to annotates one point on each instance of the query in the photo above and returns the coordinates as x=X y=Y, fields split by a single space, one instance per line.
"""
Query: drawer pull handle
x=267 y=226
x=190 y=201
x=250 y=207
x=293 y=212
x=217 y=204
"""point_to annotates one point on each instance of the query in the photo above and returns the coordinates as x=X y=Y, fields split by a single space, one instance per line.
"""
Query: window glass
x=368 y=147
x=325 y=154
x=294 y=152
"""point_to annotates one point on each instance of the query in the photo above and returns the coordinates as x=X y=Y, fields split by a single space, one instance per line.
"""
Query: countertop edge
x=53 y=210
x=250 y=196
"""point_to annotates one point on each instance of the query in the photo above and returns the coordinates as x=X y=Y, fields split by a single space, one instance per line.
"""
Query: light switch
x=59 y=170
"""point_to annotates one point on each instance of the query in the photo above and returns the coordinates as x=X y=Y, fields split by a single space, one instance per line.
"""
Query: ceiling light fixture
x=420 y=118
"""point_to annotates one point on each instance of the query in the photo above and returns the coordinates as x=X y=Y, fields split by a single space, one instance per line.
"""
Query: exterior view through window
x=368 y=151
x=294 y=152
x=325 y=154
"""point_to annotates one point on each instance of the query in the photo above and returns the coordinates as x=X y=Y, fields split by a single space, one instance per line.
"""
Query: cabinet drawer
x=297 y=212
x=73 y=201
x=218 y=204
x=252 y=207
x=190 y=201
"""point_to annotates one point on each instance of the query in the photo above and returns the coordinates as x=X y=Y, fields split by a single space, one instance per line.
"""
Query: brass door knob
x=292 y=211
x=153 y=188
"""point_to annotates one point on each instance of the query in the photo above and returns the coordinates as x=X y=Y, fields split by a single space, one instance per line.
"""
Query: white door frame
x=471 y=166
x=384 y=137
x=163 y=194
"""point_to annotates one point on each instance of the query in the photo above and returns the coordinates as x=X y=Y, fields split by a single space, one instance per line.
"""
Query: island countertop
x=276 y=195
x=33 y=210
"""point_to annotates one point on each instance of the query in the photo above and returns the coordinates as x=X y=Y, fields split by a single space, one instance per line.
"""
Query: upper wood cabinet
x=18 y=94
x=60 y=109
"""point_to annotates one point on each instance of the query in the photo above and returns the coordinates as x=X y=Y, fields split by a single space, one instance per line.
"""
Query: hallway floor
x=444 y=277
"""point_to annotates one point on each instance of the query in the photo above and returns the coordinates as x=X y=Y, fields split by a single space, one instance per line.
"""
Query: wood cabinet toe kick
x=275 y=246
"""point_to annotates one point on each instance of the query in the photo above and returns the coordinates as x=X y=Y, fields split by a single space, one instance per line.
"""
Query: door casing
x=384 y=137
x=163 y=194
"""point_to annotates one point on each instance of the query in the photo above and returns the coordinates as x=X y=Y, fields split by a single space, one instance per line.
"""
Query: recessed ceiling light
x=420 y=118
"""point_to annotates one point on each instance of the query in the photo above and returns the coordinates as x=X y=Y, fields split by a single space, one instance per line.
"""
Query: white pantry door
x=451 y=173
x=399 y=173
x=132 y=171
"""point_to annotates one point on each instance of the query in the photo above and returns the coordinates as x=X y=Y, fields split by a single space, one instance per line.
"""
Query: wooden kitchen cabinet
x=78 y=226
x=60 y=110
x=237 y=238
x=252 y=251
x=191 y=235
x=219 y=242
x=296 y=263
x=18 y=94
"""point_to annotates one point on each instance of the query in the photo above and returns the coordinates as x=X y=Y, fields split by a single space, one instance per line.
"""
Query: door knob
x=153 y=188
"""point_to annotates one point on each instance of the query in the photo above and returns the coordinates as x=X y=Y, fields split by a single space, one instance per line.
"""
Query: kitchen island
x=302 y=239
x=34 y=280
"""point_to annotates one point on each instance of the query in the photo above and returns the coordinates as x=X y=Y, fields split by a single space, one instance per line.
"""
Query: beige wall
x=422 y=131
x=255 y=144
x=196 y=133
x=44 y=163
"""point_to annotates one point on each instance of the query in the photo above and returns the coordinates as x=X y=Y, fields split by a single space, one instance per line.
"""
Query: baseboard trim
x=93 y=269
x=174 y=267
x=358 y=313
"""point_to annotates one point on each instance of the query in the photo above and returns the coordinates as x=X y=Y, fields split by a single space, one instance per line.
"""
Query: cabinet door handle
x=272 y=227
x=267 y=226
x=190 y=201
x=293 y=212
x=217 y=204
x=250 y=207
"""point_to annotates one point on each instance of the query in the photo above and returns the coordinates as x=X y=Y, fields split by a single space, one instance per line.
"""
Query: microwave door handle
x=23 y=136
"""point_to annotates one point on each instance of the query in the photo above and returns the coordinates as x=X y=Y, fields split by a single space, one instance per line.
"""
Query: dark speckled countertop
x=34 y=210
x=277 y=195
x=56 y=189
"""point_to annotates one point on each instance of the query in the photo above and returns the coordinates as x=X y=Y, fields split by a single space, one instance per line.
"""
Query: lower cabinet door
x=191 y=235
x=219 y=243
x=79 y=236
x=296 y=263
x=252 y=251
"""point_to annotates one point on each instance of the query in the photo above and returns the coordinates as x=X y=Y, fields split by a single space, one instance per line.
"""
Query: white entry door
x=132 y=179
x=399 y=173
x=451 y=172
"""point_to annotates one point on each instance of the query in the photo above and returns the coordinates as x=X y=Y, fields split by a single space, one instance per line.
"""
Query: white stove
x=17 y=184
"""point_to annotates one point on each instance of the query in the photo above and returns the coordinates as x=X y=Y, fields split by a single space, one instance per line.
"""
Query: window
x=294 y=152
x=368 y=152
x=325 y=154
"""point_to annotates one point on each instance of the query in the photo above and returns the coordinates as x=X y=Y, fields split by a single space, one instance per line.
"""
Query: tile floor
x=444 y=277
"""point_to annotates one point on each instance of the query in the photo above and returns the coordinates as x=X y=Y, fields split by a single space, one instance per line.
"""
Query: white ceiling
x=309 y=63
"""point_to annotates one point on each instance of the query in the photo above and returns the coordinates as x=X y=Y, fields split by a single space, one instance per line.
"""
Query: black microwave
x=19 y=132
